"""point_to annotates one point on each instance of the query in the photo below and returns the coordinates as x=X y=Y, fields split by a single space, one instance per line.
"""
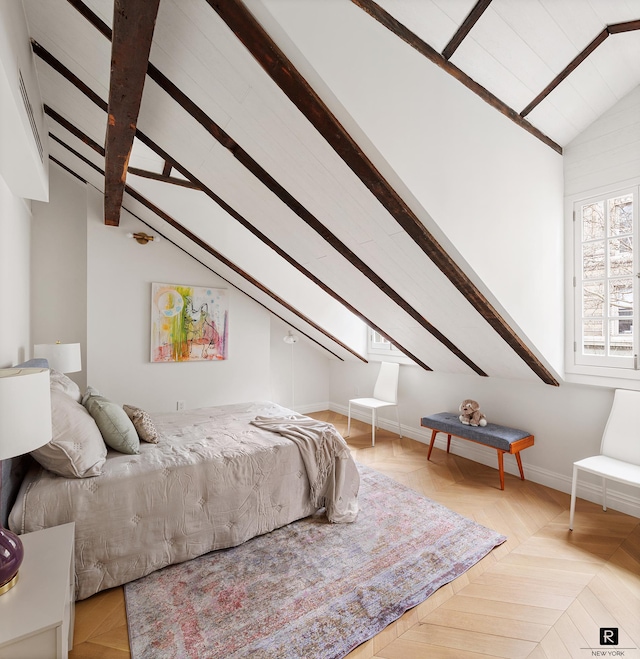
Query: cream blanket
x=332 y=473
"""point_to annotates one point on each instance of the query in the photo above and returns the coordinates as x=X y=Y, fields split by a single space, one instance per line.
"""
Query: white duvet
x=213 y=481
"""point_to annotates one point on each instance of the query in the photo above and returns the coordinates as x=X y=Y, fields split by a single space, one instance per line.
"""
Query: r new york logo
x=609 y=639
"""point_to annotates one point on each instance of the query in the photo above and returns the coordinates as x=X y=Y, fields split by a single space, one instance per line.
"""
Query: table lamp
x=25 y=425
x=63 y=357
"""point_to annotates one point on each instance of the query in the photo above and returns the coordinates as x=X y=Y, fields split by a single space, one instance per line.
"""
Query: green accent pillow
x=115 y=426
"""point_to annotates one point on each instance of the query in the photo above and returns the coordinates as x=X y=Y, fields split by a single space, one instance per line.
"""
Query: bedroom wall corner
x=15 y=277
x=119 y=277
x=59 y=257
x=299 y=373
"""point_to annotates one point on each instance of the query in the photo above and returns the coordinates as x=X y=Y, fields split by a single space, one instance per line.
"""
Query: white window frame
x=604 y=365
x=378 y=345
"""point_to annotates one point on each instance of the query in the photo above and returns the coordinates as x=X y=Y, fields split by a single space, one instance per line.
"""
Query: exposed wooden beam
x=62 y=70
x=475 y=13
x=232 y=266
x=278 y=250
x=66 y=124
x=133 y=25
x=266 y=52
x=203 y=264
x=166 y=170
x=615 y=28
x=213 y=252
x=67 y=169
x=386 y=19
x=293 y=204
x=163 y=178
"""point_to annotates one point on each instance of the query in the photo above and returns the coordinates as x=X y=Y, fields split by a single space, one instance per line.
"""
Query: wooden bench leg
x=448 y=443
x=519 y=461
x=501 y=467
x=433 y=439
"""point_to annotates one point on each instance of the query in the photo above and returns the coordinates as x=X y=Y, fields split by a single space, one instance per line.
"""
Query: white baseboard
x=616 y=500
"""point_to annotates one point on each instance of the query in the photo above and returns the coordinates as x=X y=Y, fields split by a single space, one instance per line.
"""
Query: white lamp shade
x=63 y=357
x=25 y=410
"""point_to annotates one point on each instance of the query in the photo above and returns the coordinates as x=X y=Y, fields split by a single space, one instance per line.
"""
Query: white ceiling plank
x=479 y=64
x=60 y=29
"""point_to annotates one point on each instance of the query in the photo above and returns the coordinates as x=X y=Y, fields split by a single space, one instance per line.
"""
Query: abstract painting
x=188 y=323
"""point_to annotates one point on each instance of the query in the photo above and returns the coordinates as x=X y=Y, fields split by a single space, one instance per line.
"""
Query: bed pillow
x=76 y=449
x=142 y=423
x=61 y=382
x=116 y=427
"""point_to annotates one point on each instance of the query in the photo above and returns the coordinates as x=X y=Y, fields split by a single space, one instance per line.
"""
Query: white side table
x=37 y=614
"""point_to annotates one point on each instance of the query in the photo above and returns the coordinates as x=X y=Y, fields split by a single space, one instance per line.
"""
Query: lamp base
x=9 y=585
x=11 y=555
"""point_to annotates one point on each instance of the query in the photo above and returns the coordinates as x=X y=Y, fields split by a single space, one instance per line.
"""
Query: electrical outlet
x=180 y=405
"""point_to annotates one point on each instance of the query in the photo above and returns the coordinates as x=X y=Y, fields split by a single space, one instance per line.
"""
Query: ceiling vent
x=29 y=109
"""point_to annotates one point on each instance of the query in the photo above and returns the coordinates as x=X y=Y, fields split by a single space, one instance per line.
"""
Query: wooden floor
x=545 y=593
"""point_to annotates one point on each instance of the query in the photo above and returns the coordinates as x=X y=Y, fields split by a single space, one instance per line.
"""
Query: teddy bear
x=471 y=414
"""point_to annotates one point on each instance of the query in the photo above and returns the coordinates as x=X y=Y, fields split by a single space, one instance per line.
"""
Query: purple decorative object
x=11 y=555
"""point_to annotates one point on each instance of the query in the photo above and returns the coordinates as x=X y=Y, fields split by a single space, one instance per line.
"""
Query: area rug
x=310 y=590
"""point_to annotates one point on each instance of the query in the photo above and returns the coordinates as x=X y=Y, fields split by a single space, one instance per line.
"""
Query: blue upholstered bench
x=502 y=439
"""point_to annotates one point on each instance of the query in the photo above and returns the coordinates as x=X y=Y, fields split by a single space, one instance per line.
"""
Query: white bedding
x=214 y=480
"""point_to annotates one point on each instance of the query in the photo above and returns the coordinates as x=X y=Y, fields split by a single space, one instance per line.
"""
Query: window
x=378 y=345
x=606 y=280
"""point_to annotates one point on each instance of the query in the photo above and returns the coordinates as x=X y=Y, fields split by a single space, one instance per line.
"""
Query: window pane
x=620 y=215
x=620 y=256
x=621 y=337
x=593 y=337
x=593 y=300
x=593 y=261
x=593 y=224
x=621 y=297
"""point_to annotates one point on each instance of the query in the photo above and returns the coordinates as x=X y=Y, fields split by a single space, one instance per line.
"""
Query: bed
x=215 y=478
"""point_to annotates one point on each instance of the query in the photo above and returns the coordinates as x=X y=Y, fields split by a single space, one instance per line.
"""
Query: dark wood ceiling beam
x=232 y=266
x=67 y=169
x=101 y=26
x=468 y=23
x=133 y=25
x=210 y=250
x=628 y=26
x=56 y=65
x=163 y=178
x=166 y=170
x=616 y=28
x=266 y=52
x=386 y=19
x=73 y=130
x=294 y=205
x=278 y=250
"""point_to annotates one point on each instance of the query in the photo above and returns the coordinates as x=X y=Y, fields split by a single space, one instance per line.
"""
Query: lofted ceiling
x=187 y=115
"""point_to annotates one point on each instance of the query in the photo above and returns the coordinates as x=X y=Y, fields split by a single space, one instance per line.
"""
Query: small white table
x=37 y=614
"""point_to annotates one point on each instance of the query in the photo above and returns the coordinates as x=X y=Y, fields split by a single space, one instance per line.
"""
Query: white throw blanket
x=333 y=475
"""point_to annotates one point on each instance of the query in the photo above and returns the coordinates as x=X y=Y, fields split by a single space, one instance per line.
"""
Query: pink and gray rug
x=310 y=590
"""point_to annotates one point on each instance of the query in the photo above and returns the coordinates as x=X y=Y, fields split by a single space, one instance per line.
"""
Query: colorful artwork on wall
x=188 y=323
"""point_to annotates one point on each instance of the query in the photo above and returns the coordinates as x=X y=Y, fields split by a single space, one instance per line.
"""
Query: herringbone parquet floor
x=544 y=594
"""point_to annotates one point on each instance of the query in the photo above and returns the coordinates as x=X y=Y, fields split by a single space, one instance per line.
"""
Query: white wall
x=490 y=189
x=608 y=152
x=299 y=373
x=15 y=260
x=59 y=252
x=603 y=158
x=119 y=277
x=567 y=421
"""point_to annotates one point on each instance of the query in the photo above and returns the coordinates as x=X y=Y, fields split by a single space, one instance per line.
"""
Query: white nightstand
x=36 y=615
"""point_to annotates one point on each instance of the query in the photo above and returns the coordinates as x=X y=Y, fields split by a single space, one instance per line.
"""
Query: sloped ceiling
x=238 y=161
